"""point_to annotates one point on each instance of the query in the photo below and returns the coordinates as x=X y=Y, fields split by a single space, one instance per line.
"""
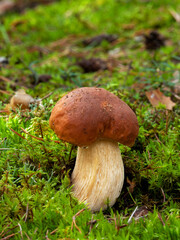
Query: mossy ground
x=35 y=197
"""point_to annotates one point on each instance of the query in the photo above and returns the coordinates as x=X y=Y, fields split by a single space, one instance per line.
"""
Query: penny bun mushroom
x=95 y=120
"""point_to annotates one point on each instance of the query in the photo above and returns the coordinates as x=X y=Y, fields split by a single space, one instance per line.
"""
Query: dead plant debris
x=154 y=40
x=97 y=40
x=156 y=97
x=92 y=64
x=138 y=213
x=43 y=78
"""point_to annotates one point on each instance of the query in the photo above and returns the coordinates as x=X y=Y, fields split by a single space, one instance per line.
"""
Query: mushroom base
x=98 y=175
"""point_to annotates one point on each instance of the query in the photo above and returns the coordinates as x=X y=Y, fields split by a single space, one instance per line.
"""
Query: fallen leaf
x=156 y=97
x=132 y=185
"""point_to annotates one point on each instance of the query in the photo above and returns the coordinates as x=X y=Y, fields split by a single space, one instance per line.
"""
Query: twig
x=17 y=134
x=115 y=222
x=27 y=236
x=7 y=80
x=160 y=218
x=5 y=92
x=9 y=236
x=74 y=220
x=41 y=130
x=2 y=149
x=149 y=155
x=20 y=136
x=175 y=15
x=176 y=96
x=4 y=230
x=130 y=219
x=27 y=210
x=48 y=95
x=54 y=231
x=38 y=138
x=164 y=197
x=91 y=223
x=20 y=231
x=158 y=138
x=4 y=233
x=47 y=235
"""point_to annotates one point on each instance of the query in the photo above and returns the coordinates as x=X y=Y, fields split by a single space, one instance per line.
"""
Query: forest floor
x=130 y=48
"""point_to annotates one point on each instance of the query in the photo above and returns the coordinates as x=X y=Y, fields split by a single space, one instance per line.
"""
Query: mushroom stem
x=98 y=175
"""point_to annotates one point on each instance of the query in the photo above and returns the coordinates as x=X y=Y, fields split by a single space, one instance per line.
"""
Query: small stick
x=27 y=236
x=26 y=215
x=20 y=231
x=4 y=230
x=4 y=233
x=38 y=138
x=17 y=133
x=5 y=92
x=3 y=149
x=74 y=220
x=91 y=223
x=20 y=136
x=48 y=95
x=7 y=80
x=54 y=231
x=115 y=222
x=158 y=138
x=160 y=218
x=41 y=131
x=47 y=235
x=164 y=197
x=9 y=236
x=130 y=219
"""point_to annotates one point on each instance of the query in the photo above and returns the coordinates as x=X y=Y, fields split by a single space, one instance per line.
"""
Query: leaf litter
x=156 y=97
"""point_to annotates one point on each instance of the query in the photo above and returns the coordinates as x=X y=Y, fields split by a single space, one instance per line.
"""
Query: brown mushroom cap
x=87 y=114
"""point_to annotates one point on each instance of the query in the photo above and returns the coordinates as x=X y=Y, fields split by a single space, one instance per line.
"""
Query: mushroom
x=95 y=120
x=21 y=99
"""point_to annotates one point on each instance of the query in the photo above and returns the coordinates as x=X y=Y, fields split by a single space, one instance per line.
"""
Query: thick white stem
x=98 y=175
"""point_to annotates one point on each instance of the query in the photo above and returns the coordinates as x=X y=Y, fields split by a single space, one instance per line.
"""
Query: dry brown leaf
x=156 y=97
x=132 y=185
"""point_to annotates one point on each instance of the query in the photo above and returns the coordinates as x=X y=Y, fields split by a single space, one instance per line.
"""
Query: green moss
x=35 y=167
